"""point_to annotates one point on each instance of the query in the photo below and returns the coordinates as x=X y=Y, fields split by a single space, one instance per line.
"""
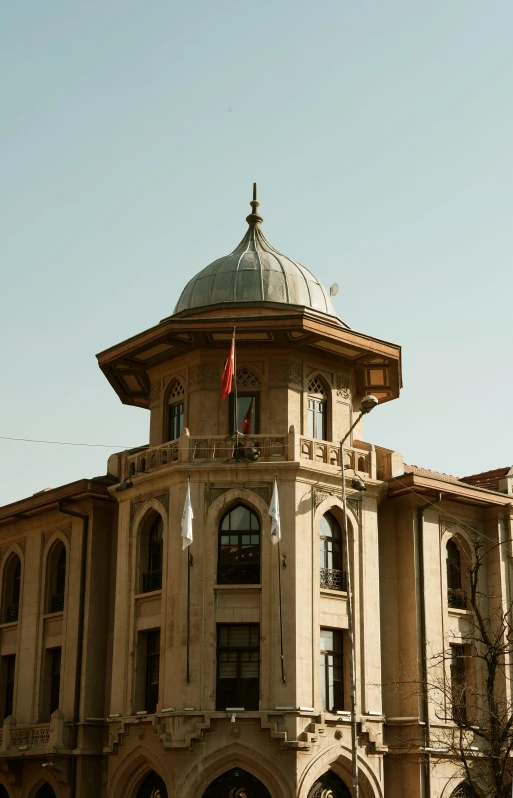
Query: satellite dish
x=334 y=289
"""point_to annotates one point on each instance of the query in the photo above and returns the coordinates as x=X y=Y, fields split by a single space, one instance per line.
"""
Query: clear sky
x=380 y=133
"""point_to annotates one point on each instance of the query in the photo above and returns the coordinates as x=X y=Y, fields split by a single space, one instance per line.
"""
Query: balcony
x=456 y=598
x=152 y=581
x=333 y=579
x=363 y=458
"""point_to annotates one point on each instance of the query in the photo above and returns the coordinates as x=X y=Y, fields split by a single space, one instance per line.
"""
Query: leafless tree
x=470 y=687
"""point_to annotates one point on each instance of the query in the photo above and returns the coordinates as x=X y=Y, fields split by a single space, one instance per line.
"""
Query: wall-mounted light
x=126 y=485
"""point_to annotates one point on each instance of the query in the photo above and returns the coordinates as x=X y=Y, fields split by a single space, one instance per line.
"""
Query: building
x=133 y=667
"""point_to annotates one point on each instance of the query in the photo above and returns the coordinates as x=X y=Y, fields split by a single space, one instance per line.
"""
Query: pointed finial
x=254 y=218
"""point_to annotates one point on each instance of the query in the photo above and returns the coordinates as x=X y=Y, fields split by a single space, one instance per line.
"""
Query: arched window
x=152 y=787
x=11 y=589
x=462 y=791
x=330 y=544
x=237 y=782
x=317 y=409
x=456 y=596
x=239 y=548
x=56 y=578
x=45 y=791
x=175 y=410
x=151 y=543
x=329 y=786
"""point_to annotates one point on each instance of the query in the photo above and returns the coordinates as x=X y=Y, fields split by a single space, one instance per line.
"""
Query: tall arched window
x=11 y=589
x=247 y=412
x=151 y=543
x=175 y=410
x=330 y=544
x=56 y=578
x=456 y=596
x=152 y=787
x=239 y=547
x=317 y=409
x=462 y=791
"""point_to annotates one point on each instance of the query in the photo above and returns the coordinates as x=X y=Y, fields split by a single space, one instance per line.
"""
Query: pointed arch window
x=56 y=578
x=330 y=549
x=11 y=589
x=151 y=547
x=175 y=412
x=456 y=596
x=239 y=547
x=317 y=409
x=152 y=787
x=462 y=791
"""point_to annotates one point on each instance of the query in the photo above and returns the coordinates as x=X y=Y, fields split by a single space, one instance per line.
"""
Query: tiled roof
x=425 y=472
x=487 y=479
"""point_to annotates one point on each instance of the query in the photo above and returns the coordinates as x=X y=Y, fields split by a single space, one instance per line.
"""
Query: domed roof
x=254 y=272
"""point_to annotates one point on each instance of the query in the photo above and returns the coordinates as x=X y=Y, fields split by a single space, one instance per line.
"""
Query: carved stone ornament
x=155 y=392
x=20 y=543
x=321 y=495
x=204 y=374
x=343 y=386
x=211 y=494
x=356 y=506
x=286 y=371
x=49 y=533
x=135 y=506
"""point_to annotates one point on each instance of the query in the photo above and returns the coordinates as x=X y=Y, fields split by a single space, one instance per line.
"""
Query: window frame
x=55 y=678
x=331 y=563
x=256 y=412
x=224 y=579
x=171 y=419
x=151 y=665
x=326 y=667
x=458 y=672
x=239 y=688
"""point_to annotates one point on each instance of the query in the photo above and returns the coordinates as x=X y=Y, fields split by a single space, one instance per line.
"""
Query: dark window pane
x=55 y=685
x=239 y=552
x=248 y=412
x=8 y=664
x=175 y=421
x=331 y=670
x=238 y=658
x=152 y=670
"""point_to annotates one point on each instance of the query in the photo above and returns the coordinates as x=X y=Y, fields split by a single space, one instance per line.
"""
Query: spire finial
x=254 y=218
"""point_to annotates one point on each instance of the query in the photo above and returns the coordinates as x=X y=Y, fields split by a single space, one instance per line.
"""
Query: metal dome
x=254 y=272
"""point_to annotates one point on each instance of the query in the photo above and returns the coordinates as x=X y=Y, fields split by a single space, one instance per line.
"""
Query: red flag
x=247 y=424
x=227 y=378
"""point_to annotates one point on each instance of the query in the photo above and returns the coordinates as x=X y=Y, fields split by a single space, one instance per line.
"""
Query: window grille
x=316 y=386
x=463 y=791
x=177 y=390
x=245 y=378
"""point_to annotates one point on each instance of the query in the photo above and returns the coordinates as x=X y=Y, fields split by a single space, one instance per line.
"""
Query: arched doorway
x=236 y=783
x=45 y=791
x=152 y=787
x=329 y=786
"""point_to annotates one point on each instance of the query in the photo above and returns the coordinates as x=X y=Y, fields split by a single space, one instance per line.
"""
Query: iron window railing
x=57 y=602
x=456 y=598
x=152 y=581
x=333 y=578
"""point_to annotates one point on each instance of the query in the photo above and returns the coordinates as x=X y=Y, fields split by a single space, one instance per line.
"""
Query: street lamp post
x=368 y=403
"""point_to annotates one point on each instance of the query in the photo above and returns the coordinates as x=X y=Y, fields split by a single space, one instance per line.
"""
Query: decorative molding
x=356 y=506
x=20 y=542
x=211 y=494
x=49 y=533
x=286 y=371
x=320 y=495
x=343 y=386
x=136 y=504
x=155 y=392
x=204 y=374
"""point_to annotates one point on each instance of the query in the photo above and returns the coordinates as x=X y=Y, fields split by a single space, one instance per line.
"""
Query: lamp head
x=369 y=402
x=126 y=485
x=252 y=454
x=358 y=484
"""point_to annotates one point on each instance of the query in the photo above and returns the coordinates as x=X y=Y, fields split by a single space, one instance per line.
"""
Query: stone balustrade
x=35 y=737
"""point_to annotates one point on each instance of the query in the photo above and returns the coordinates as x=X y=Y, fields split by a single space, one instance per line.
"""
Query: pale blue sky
x=380 y=134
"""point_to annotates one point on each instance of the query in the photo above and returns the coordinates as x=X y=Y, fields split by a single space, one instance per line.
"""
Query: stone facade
x=88 y=634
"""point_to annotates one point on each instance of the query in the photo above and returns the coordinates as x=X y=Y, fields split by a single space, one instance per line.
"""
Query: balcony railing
x=363 y=458
x=456 y=598
x=333 y=578
x=152 y=581
x=12 y=612
x=57 y=602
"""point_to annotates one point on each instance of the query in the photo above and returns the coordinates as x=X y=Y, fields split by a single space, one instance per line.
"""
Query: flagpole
x=189 y=563
x=281 y=616
x=280 y=604
x=236 y=408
